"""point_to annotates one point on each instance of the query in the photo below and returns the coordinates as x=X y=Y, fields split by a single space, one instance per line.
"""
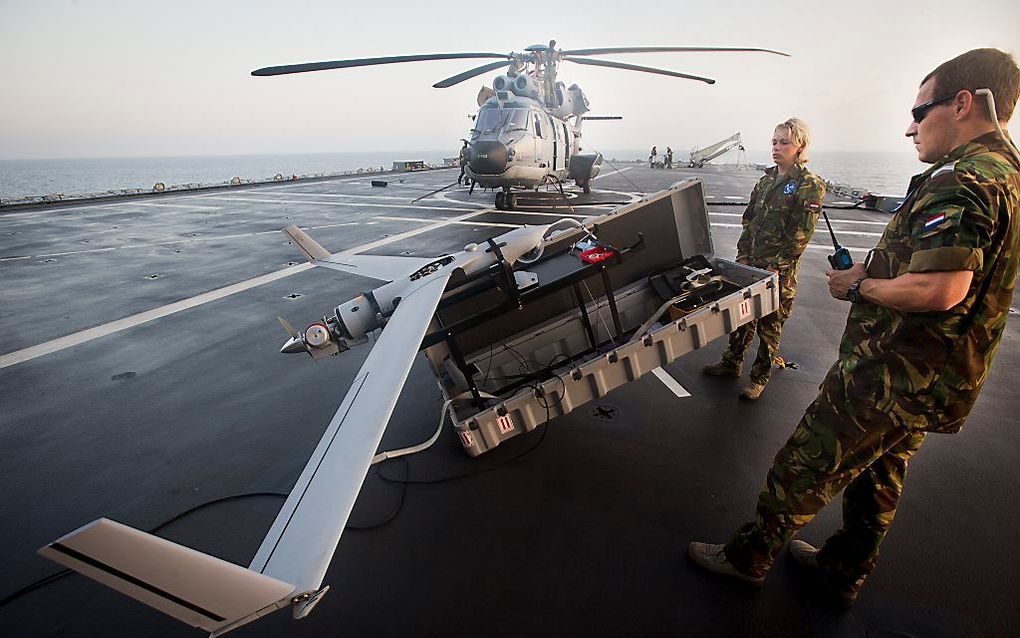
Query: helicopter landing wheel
x=501 y=200
x=586 y=186
x=510 y=201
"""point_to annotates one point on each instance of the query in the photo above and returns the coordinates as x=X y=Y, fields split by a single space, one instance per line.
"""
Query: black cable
x=619 y=172
x=46 y=580
x=400 y=505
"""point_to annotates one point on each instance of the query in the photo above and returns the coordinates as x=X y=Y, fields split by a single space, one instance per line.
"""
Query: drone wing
x=218 y=596
x=301 y=542
x=384 y=267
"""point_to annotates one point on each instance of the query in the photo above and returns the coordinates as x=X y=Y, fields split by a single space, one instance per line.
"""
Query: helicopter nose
x=487 y=158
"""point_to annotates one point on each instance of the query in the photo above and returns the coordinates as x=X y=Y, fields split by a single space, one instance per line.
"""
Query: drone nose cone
x=294 y=345
x=487 y=158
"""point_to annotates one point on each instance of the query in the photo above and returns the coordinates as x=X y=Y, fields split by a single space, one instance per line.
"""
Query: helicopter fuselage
x=519 y=142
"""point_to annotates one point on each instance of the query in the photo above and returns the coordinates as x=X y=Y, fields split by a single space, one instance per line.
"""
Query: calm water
x=883 y=173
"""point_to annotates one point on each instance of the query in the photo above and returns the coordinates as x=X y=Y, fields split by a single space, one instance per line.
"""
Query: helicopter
x=527 y=132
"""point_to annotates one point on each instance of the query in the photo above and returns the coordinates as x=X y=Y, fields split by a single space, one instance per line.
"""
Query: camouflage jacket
x=925 y=369
x=780 y=218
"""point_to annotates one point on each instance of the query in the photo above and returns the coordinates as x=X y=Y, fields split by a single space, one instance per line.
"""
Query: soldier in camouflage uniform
x=778 y=223
x=928 y=311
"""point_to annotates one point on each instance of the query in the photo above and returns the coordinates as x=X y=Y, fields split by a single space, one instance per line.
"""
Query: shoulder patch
x=790 y=187
x=937 y=221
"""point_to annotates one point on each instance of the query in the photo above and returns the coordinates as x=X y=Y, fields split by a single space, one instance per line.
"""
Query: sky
x=107 y=78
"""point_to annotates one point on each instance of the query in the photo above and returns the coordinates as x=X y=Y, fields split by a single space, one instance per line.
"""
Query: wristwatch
x=853 y=293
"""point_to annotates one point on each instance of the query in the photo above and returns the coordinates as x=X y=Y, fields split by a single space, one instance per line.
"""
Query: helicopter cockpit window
x=538 y=126
x=517 y=120
x=492 y=121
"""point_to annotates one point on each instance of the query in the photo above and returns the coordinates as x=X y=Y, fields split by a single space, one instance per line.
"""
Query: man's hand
x=840 y=280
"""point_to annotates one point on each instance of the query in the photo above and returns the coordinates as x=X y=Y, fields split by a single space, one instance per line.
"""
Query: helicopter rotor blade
x=470 y=73
x=604 y=50
x=393 y=59
x=635 y=67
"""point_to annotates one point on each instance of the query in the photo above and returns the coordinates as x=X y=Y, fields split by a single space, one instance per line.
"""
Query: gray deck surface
x=583 y=535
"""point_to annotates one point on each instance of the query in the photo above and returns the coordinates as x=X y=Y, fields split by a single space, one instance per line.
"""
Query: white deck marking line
x=27 y=354
x=842 y=232
x=353 y=195
x=174 y=241
x=345 y=204
x=76 y=252
x=733 y=197
x=625 y=168
x=97 y=208
x=16 y=257
x=672 y=384
x=55 y=345
x=828 y=248
x=463 y=223
x=169 y=205
x=534 y=214
x=831 y=219
x=411 y=233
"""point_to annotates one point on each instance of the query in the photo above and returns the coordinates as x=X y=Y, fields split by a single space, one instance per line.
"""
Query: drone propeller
x=635 y=67
x=289 y=328
x=470 y=73
x=393 y=59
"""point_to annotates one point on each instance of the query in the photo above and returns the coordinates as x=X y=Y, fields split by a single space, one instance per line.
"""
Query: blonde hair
x=800 y=135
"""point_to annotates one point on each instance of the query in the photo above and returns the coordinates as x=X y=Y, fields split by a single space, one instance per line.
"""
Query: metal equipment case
x=514 y=353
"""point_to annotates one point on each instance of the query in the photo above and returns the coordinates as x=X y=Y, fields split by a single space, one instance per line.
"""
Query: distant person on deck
x=928 y=309
x=777 y=225
x=462 y=160
x=669 y=157
x=652 y=157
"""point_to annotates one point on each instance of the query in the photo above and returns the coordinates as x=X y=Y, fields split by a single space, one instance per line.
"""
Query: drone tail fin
x=195 y=588
x=308 y=246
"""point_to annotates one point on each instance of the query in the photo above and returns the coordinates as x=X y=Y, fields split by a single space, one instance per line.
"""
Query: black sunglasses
x=921 y=110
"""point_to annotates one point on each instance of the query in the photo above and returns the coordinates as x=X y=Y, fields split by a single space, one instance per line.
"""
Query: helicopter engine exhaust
x=502 y=83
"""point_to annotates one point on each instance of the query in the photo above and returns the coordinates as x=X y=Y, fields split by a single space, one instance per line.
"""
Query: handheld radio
x=841 y=259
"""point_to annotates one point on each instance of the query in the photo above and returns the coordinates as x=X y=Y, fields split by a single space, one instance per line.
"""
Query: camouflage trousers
x=835 y=447
x=769 y=328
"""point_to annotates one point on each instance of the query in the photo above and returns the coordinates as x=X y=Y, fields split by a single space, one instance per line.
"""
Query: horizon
x=174 y=80
x=815 y=152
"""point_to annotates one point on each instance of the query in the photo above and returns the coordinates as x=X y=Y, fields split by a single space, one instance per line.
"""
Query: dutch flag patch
x=934 y=221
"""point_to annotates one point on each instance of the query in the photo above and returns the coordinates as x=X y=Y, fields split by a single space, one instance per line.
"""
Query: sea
x=880 y=173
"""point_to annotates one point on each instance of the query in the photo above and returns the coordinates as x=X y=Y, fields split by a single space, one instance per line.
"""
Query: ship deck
x=141 y=377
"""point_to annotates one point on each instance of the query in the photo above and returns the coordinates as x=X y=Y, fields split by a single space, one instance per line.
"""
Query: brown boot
x=806 y=556
x=752 y=391
x=713 y=558
x=721 y=369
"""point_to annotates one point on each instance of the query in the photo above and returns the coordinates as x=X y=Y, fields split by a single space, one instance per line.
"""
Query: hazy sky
x=93 y=78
